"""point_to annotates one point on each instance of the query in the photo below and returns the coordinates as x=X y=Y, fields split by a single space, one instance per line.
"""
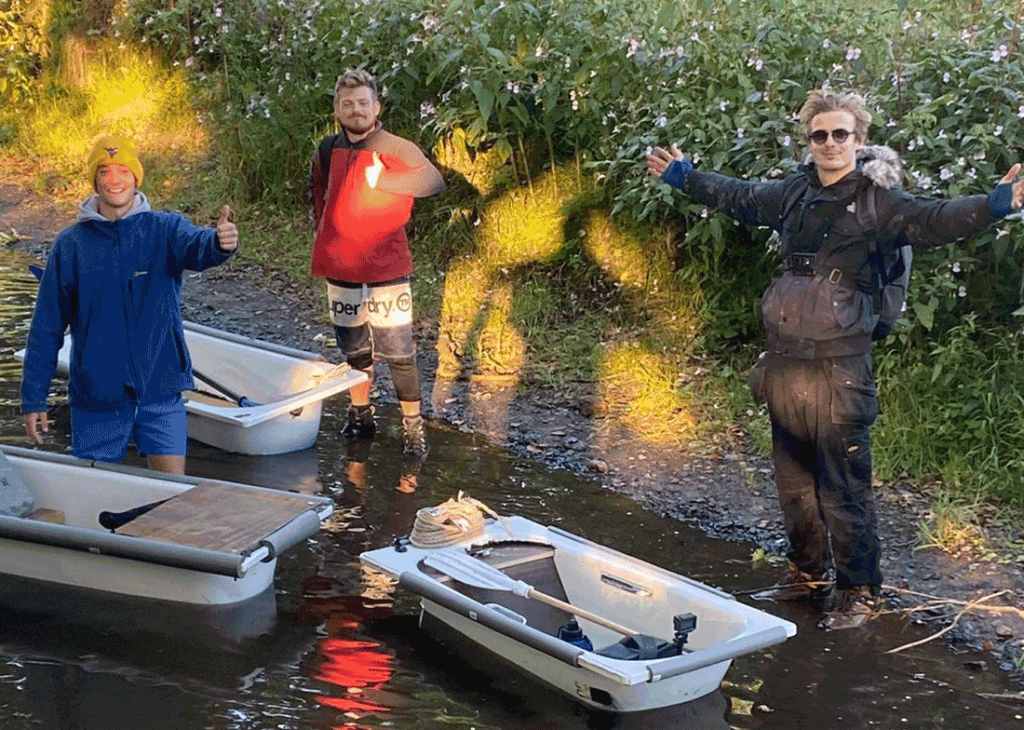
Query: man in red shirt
x=363 y=181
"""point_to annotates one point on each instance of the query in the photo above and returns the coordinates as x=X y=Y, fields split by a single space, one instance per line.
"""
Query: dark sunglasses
x=820 y=136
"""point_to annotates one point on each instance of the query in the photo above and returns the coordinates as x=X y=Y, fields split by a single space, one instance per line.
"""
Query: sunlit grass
x=479 y=330
x=526 y=224
x=485 y=170
x=500 y=348
x=625 y=259
x=465 y=291
x=553 y=293
x=109 y=87
x=951 y=525
x=639 y=389
x=671 y=304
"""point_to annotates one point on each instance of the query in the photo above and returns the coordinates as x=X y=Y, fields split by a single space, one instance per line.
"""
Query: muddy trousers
x=821 y=414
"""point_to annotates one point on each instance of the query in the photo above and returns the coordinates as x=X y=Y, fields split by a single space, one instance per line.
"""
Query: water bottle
x=572 y=633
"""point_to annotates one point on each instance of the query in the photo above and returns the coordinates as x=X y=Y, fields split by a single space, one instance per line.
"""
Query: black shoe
x=851 y=608
x=360 y=423
x=795 y=585
x=414 y=436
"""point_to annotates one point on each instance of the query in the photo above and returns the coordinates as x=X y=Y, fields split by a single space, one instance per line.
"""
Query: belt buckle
x=802 y=264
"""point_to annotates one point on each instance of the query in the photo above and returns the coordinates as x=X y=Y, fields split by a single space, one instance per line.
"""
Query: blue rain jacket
x=117 y=285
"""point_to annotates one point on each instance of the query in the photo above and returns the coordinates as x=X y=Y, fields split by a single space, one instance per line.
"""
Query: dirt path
x=728 y=494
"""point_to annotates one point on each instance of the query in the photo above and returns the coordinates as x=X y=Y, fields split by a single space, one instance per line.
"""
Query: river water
x=334 y=647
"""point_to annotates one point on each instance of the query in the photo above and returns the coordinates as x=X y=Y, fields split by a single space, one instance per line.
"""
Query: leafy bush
x=23 y=48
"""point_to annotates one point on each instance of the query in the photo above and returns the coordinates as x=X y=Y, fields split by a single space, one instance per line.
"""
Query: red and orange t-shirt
x=360 y=231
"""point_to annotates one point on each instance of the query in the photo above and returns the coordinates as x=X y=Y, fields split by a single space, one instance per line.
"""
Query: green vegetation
x=551 y=258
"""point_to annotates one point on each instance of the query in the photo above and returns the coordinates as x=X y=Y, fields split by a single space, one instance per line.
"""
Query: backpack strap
x=867 y=217
x=792 y=197
x=324 y=153
x=867 y=208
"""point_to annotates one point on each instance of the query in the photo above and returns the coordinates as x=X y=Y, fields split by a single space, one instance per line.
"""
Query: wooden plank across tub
x=220 y=517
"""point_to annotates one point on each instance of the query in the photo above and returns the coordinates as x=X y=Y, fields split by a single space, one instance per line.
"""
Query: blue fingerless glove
x=675 y=174
x=1000 y=200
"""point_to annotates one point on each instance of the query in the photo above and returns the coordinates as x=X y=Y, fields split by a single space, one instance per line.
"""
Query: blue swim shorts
x=156 y=428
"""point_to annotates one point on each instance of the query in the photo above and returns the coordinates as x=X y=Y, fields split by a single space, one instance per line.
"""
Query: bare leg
x=410 y=408
x=360 y=394
x=173 y=464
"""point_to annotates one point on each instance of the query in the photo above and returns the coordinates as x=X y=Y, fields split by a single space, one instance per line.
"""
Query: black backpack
x=894 y=278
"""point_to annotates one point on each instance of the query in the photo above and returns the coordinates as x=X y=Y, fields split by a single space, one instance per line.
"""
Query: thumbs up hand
x=373 y=171
x=227 y=234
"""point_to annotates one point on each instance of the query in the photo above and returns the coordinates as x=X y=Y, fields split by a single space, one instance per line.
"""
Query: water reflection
x=88 y=660
x=339 y=648
x=296 y=471
x=358 y=668
x=17 y=299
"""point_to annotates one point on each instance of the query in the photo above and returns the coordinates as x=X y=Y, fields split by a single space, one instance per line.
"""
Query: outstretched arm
x=750 y=203
x=937 y=221
x=197 y=248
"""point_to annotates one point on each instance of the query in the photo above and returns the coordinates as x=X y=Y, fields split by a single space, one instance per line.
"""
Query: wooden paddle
x=474 y=572
x=241 y=400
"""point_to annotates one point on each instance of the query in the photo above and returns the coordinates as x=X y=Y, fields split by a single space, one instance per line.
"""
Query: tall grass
x=113 y=87
x=956 y=411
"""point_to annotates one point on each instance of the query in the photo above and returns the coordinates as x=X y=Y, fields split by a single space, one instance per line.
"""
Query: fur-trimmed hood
x=882 y=165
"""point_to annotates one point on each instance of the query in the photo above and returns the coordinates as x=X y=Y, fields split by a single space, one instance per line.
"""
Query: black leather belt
x=800 y=264
x=798 y=349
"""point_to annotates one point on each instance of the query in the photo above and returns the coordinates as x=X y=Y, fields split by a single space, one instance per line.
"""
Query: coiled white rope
x=451 y=522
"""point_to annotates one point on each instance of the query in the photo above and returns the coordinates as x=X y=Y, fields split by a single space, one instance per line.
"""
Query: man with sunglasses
x=820 y=313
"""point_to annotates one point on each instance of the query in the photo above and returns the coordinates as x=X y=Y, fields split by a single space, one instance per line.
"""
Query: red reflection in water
x=356 y=666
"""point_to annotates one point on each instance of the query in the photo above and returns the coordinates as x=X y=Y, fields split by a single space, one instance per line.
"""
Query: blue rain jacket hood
x=117 y=285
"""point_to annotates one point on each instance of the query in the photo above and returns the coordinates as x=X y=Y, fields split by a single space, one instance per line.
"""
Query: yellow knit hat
x=114 y=150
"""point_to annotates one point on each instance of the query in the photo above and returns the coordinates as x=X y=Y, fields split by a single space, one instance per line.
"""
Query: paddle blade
x=473 y=572
x=113 y=520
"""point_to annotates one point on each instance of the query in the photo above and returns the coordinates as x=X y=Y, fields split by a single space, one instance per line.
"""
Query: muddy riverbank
x=727 y=491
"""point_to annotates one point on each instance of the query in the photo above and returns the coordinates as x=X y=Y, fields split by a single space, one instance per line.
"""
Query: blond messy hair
x=353 y=79
x=820 y=101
